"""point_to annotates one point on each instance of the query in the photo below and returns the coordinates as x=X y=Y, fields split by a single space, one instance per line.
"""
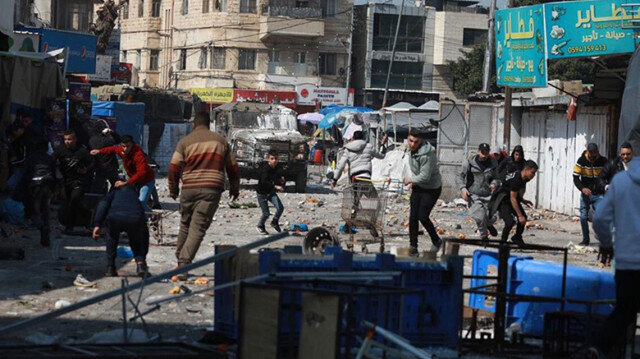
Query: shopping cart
x=364 y=202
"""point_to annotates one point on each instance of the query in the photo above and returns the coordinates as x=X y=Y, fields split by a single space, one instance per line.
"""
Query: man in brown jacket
x=201 y=160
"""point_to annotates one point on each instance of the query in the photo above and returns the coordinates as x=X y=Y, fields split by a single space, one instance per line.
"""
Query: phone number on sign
x=587 y=48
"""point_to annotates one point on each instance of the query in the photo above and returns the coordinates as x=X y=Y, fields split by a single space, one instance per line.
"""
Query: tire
x=301 y=182
x=317 y=239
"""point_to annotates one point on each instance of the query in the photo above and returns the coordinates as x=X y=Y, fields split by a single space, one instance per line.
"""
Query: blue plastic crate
x=435 y=323
x=528 y=276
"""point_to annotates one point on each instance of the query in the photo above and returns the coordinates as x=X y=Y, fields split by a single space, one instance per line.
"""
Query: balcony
x=283 y=20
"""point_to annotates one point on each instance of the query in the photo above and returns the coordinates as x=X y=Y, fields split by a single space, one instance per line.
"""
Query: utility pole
x=350 y=51
x=393 y=55
x=507 y=111
x=488 y=52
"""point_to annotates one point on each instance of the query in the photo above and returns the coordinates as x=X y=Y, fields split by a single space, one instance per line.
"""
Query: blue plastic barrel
x=528 y=276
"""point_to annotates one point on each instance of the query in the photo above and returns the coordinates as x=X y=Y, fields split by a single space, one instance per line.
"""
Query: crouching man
x=121 y=211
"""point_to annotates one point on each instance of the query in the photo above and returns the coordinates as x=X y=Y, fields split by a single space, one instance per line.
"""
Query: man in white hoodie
x=358 y=154
x=618 y=212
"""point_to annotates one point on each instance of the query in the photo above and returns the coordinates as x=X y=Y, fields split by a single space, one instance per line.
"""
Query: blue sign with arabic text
x=589 y=28
x=520 y=47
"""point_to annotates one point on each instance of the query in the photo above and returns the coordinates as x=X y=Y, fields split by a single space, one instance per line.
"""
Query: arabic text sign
x=217 y=95
x=520 y=47
x=285 y=98
x=588 y=28
x=309 y=94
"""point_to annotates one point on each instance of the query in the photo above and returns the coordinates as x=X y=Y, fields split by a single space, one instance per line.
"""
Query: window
x=247 y=59
x=302 y=3
x=301 y=57
x=138 y=59
x=327 y=64
x=202 y=64
x=274 y=56
x=410 y=34
x=155 y=8
x=220 y=5
x=404 y=75
x=124 y=56
x=218 y=57
x=185 y=7
x=125 y=11
x=472 y=37
x=247 y=6
x=140 y=8
x=205 y=5
x=329 y=8
x=78 y=17
x=182 y=60
x=153 y=60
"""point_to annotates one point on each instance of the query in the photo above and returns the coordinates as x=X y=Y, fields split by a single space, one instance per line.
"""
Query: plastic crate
x=434 y=322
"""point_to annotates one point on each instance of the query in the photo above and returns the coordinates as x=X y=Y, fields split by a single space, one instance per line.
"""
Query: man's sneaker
x=276 y=226
x=517 y=239
x=157 y=206
x=437 y=244
x=111 y=271
x=413 y=251
x=262 y=230
x=492 y=231
x=142 y=270
x=584 y=243
x=374 y=232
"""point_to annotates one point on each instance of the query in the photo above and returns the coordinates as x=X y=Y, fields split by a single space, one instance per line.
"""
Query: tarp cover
x=129 y=117
x=629 y=124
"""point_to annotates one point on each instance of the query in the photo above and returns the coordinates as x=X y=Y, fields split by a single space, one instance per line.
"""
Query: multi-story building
x=254 y=44
x=428 y=38
x=74 y=15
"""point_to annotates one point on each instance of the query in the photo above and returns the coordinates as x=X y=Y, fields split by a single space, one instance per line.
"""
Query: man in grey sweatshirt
x=618 y=213
x=425 y=182
x=477 y=181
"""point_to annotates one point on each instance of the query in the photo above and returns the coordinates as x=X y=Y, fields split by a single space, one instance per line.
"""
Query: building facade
x=427 y=40
x=255 y=44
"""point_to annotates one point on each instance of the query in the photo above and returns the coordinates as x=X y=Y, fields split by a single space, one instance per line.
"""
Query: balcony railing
x=290 y=69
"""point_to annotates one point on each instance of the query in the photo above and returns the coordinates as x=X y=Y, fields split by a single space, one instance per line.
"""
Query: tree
x=467 y=72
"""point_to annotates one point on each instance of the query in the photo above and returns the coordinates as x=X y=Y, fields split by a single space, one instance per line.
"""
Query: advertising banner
x=24 y=42
x=588 y=28
x=520 y=47
x=215 y=95
x=285 y=98
x=122 y=73
x=82 y=47
x=103 y=69
x=308 y=95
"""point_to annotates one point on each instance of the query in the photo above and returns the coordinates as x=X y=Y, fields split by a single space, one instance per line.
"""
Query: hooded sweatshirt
x=423 y=164
x=135 y=163
x=510 y=164
x=358 y=154
x=618 y=211
x=477 y=176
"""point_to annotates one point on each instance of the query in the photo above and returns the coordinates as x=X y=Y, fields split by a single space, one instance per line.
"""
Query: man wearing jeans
x=121 y=212
x=135 y=163
x=200 y=161
x=269 y=183
x=585 y=178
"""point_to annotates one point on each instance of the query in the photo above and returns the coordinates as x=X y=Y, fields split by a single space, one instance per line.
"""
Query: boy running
x=270 y=181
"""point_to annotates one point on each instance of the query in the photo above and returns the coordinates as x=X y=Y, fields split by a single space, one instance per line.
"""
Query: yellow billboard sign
x=218 y=95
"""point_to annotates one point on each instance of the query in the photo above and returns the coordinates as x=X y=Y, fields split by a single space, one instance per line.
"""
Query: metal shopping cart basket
x=363 y=207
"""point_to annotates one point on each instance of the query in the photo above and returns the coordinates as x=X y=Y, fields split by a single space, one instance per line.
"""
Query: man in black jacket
x=39 y=182
x=270 y=181
x=106 y=165
x=75 y=164
x=121 y=211
x=615 y=165
x=585 y=178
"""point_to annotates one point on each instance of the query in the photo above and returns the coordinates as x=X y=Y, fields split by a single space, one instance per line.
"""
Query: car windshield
x=269 y=120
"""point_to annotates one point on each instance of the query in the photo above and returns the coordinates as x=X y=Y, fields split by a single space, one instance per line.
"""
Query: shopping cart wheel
x=317 y=239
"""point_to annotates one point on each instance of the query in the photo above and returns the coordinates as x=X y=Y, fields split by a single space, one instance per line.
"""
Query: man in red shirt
x=135 y=163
